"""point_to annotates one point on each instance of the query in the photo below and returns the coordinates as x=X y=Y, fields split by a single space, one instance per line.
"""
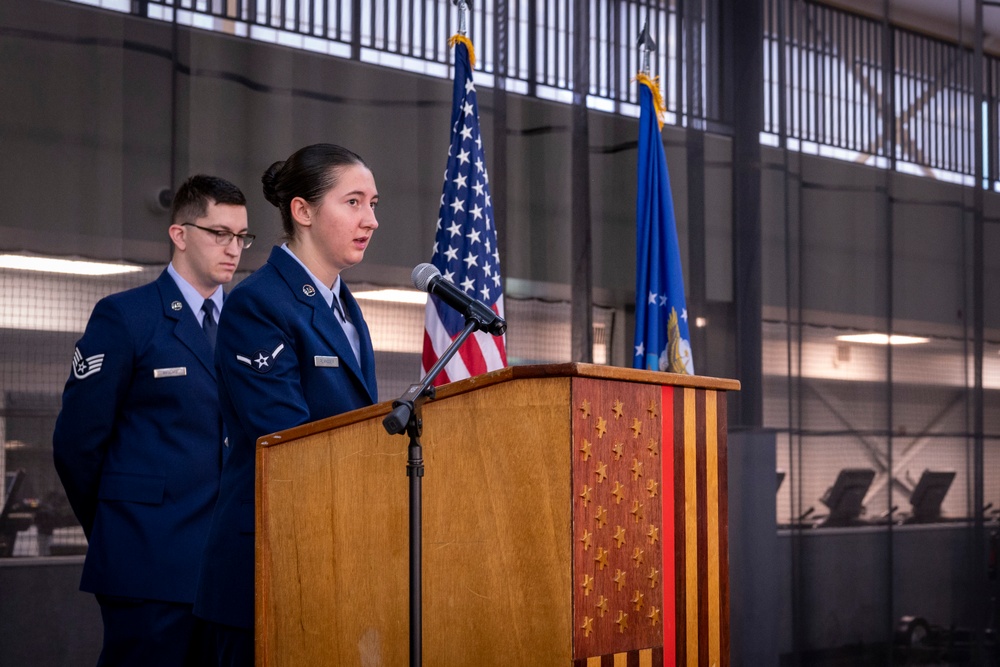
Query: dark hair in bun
x=309 y=173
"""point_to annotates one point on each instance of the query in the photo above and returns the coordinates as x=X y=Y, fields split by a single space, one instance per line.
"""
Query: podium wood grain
x=499 y=542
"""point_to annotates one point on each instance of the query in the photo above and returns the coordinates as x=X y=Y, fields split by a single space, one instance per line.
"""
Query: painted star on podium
x=622 y=621
x=618 y=450
x=601 y=558
x=637 y=511
x=653 y=450
x=602 y=606
x=620 y=578
x=618 y=492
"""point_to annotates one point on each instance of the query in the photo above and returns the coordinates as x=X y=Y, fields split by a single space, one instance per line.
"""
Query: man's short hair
x=196 y=193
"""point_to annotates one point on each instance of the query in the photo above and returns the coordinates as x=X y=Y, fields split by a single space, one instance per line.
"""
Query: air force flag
x=662 y=341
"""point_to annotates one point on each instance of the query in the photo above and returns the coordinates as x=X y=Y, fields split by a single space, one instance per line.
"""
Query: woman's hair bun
x=269 y=179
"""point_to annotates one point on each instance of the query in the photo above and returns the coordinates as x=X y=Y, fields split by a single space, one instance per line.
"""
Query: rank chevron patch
x=84 y=368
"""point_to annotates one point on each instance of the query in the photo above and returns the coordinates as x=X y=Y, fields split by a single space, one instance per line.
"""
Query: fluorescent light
x=72 y=266
x=394 y=295
x=882 y=339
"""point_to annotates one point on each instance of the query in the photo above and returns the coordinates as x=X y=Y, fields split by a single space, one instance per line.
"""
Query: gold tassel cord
x=455 y=39
x=654 y=86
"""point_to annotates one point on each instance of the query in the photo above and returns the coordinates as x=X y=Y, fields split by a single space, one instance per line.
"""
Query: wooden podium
x=572 y=515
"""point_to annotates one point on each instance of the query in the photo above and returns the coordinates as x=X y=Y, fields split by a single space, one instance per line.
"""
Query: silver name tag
x=326 y=362
x=170 y=372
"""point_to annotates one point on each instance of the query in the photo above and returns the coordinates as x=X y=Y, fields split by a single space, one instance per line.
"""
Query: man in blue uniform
x=138 y=443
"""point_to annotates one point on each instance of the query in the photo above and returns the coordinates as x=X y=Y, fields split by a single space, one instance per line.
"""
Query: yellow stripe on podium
x=712 y=512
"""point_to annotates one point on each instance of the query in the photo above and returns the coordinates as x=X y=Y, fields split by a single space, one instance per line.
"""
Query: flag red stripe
x=430 y=358
x=472 y=356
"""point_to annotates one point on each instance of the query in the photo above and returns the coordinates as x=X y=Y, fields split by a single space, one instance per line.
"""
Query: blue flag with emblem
x=662 y=340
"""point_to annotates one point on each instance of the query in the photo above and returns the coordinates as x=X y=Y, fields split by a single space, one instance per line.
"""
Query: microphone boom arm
x=404 y=407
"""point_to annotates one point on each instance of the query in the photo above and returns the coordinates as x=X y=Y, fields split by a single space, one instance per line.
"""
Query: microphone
x=427 y=278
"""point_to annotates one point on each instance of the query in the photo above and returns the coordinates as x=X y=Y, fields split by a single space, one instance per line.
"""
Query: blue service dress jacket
x=138 y=443
x=283 y=360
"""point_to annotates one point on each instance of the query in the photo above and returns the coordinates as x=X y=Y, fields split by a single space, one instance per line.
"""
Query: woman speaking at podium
x=293 y=347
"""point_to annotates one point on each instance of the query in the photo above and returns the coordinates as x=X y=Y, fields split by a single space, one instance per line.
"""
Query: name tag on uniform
x=326 y=362
x=170 y=372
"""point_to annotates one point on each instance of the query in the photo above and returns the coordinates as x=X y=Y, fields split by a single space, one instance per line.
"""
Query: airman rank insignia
x=309 y=290
x=261 y=360
x=176 y=305
x=84 y=368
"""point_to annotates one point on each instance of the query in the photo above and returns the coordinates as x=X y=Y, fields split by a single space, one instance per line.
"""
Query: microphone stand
x=405 y=416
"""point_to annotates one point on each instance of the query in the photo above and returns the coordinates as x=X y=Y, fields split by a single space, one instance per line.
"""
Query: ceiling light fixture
x=72 y=266
x=882 y=339
x=393 y=295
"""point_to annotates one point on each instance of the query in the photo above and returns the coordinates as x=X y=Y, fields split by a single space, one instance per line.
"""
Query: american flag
x=465 y=246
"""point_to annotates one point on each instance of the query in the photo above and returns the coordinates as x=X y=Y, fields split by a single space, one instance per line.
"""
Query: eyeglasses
x=224 y=237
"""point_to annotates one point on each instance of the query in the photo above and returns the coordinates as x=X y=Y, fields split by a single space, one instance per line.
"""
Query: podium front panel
x=650 y=525
x=568 y=520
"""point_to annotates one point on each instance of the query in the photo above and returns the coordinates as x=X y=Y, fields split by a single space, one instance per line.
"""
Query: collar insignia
x=176 y=305
x=309 y=290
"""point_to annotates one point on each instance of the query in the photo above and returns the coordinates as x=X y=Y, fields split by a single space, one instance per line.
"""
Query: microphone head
x=422 y=275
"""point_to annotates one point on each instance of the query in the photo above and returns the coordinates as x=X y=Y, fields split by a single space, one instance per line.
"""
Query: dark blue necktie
x=208 y=324
x=339 y=309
